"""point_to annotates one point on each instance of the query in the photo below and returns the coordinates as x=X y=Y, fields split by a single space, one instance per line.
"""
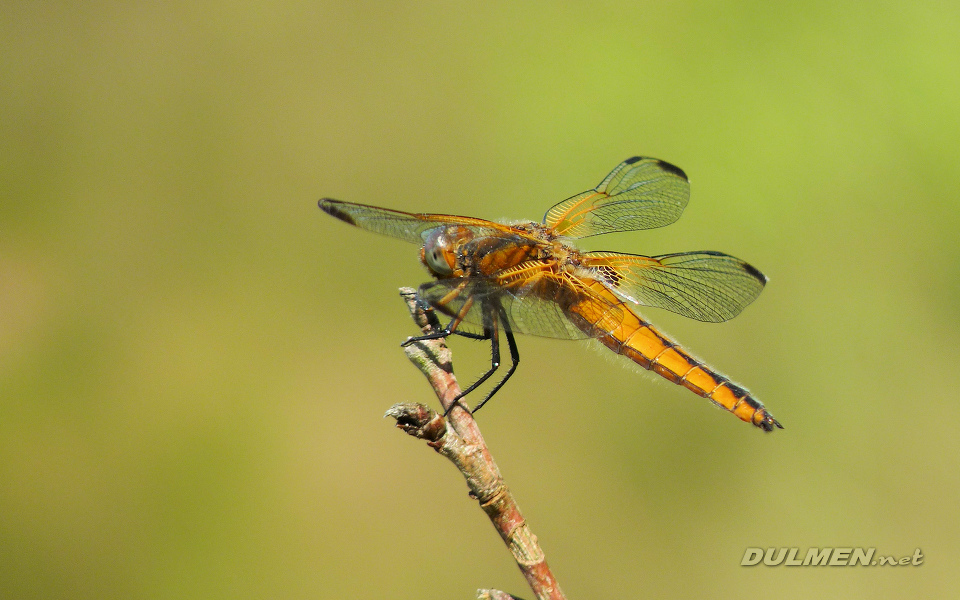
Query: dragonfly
x=528 y=277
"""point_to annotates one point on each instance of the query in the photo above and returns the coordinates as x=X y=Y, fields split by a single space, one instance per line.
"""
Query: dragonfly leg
x=428 y=312
x=491 y=332
x=472 y=336
x=514 y=357
x=447 y=331
x=431 y=314
x=451 y=328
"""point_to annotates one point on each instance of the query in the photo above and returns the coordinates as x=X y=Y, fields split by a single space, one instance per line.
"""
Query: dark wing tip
x=332 y=208
x=755 y=273
x=671 y=168
x=633 y=159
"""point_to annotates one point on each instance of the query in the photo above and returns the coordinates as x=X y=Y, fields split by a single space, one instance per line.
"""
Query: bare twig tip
x=495 y=595
x=419 y=421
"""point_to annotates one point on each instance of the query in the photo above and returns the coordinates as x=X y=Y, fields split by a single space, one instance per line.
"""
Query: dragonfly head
x=438 y=253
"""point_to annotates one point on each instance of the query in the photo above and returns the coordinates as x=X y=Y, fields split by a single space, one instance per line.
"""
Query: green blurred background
x=194 y=360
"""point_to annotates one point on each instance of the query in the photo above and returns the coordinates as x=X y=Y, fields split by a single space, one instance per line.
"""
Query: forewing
x=535 y=305
x=399 y=224
x=641 y=193
x=706 y=286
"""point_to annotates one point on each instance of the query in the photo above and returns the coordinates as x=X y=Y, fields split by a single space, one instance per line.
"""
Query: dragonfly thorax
x=456 y=251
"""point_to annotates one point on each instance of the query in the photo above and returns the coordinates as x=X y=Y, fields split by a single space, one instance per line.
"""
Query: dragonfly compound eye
x=435 y=254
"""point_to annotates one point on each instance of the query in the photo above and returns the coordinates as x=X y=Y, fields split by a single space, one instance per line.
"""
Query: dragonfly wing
x=641 y=193
x=706 y=286
x=537 y=303
x=399 y=224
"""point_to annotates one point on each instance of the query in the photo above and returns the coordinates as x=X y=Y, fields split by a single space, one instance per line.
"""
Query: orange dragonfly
x=527 y=277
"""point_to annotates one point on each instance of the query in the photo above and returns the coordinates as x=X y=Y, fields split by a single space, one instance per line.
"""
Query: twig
x=458 y=438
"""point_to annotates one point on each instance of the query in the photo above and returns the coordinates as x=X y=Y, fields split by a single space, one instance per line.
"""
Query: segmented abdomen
x=626 y=333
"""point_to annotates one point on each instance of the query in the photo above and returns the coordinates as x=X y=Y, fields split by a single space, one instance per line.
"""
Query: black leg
x=491 y=332
x=447 y=331
x=434 y=322
x=430 y=313
x=514 y=357
x=450 y=329
x=472 y=336
x=493 y=317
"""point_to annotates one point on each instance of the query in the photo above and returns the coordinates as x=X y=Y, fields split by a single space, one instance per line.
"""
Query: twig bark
x=458 y=438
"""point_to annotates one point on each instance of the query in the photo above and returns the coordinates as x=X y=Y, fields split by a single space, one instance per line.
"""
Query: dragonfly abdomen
x=651 y=350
